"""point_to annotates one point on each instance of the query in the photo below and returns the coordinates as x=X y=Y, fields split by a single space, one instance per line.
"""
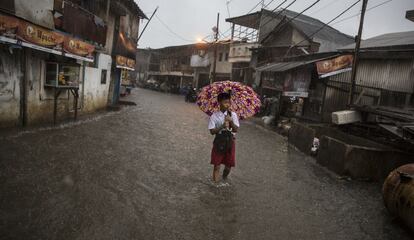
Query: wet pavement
x=143 y=173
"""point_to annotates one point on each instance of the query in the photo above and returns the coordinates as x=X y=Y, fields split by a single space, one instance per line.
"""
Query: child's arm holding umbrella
x=231 y=122
x=218 y=129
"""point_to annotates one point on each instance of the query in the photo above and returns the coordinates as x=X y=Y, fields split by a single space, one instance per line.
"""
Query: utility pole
x=213 y=78
x=146 y=25
x=356 y=53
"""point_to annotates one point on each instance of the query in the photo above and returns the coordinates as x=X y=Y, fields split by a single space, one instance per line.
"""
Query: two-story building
x=203 y=60
x=274 y=37
x=60 y=57
x=171 y=67
x=177 y=67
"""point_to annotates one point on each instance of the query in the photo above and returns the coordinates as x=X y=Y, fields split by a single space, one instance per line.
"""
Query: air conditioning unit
x=346 y=117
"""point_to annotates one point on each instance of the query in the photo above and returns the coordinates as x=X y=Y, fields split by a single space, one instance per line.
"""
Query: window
x=103 y=76
x=226 y=57
x=51 y=74
x=62 y=75
x=220 y=58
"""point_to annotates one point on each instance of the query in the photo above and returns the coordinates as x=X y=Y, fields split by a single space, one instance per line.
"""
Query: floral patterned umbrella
x=244 y=101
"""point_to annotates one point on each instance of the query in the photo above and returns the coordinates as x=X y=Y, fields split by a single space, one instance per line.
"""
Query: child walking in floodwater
x=223 y=124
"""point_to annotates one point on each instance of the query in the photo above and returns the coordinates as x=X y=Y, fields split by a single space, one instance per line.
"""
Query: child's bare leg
x=226 y=172
x=216 y=173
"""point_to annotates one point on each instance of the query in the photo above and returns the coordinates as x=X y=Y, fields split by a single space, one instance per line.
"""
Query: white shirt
x=217 y=119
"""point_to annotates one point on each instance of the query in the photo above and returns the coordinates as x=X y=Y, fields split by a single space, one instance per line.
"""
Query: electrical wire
x=268 y=4
x=324 y=7
x=258 y=4
x=283 y=26
x=277 y=15
x=356 y=15
x=171 y=31
x=324 y=25
x=273 y=17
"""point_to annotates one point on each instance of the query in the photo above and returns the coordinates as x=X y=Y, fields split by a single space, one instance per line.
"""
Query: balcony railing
x=73 y=19
x=241 y=52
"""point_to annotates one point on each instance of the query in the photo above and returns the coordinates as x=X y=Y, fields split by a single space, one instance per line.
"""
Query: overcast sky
x=185 y=21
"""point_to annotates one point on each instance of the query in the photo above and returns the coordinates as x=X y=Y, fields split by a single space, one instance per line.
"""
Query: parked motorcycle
x=191 y=96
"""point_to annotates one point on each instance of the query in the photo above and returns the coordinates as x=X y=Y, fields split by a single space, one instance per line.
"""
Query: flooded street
x=143 y=173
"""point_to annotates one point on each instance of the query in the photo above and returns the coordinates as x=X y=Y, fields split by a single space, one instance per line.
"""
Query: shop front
x=51 y=60
x=286 y=84
x=126 y=67
x=123 y=74
x=299 y=86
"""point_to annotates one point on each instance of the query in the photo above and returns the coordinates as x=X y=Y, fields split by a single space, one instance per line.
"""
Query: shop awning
x=288 y=65
x=284 y=66
x=22 y=33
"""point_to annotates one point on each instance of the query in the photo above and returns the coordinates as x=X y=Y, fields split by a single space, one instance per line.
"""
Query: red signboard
x=43 y=39
x=39 y=36
x=334 y=65
x=8 y=26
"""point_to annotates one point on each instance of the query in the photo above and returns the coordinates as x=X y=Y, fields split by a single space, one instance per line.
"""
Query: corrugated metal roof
x=309 y=26
x=390 y=40
x=251 y=20
x=391 y=75
x=284 y=66
x=410 y=15
x=280 y=67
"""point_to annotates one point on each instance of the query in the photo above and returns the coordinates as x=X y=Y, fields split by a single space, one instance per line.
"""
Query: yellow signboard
x=126 y=63
x=40 y=36
x=77 y=47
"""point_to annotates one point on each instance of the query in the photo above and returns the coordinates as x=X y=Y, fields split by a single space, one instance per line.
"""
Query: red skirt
x=228 y=159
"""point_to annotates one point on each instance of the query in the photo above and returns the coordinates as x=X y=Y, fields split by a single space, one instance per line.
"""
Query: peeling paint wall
x=38 y=12
x=95 y=95
x=10 y=79
x=40 y=100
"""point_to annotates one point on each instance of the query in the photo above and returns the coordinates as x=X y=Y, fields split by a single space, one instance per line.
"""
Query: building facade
x=62 y=57
x=384 y=80
x=203 y=63
x=179 y=67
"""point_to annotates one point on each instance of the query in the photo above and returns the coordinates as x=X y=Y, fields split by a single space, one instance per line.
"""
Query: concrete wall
x=40 y=100
x=110 y=34
x=37 y=12
x=95 y=94
x=10 y=79
x=222 y=65
x=360 y=162
x=301 y=137
x=297 y=37
x=348 y=155
x=30 y=65
x=267 y=24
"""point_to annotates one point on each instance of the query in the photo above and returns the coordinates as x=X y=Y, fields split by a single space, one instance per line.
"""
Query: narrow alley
x=143 y=173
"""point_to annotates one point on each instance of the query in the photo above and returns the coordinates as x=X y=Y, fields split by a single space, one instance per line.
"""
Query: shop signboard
x=125 y=63
x=40 y=36
x=296 y=94
x=274 y=81
x=21 y=32
x=335 y=66
x=8 y=26
x=297 y=83
x=125 y=78
x=78 y=48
